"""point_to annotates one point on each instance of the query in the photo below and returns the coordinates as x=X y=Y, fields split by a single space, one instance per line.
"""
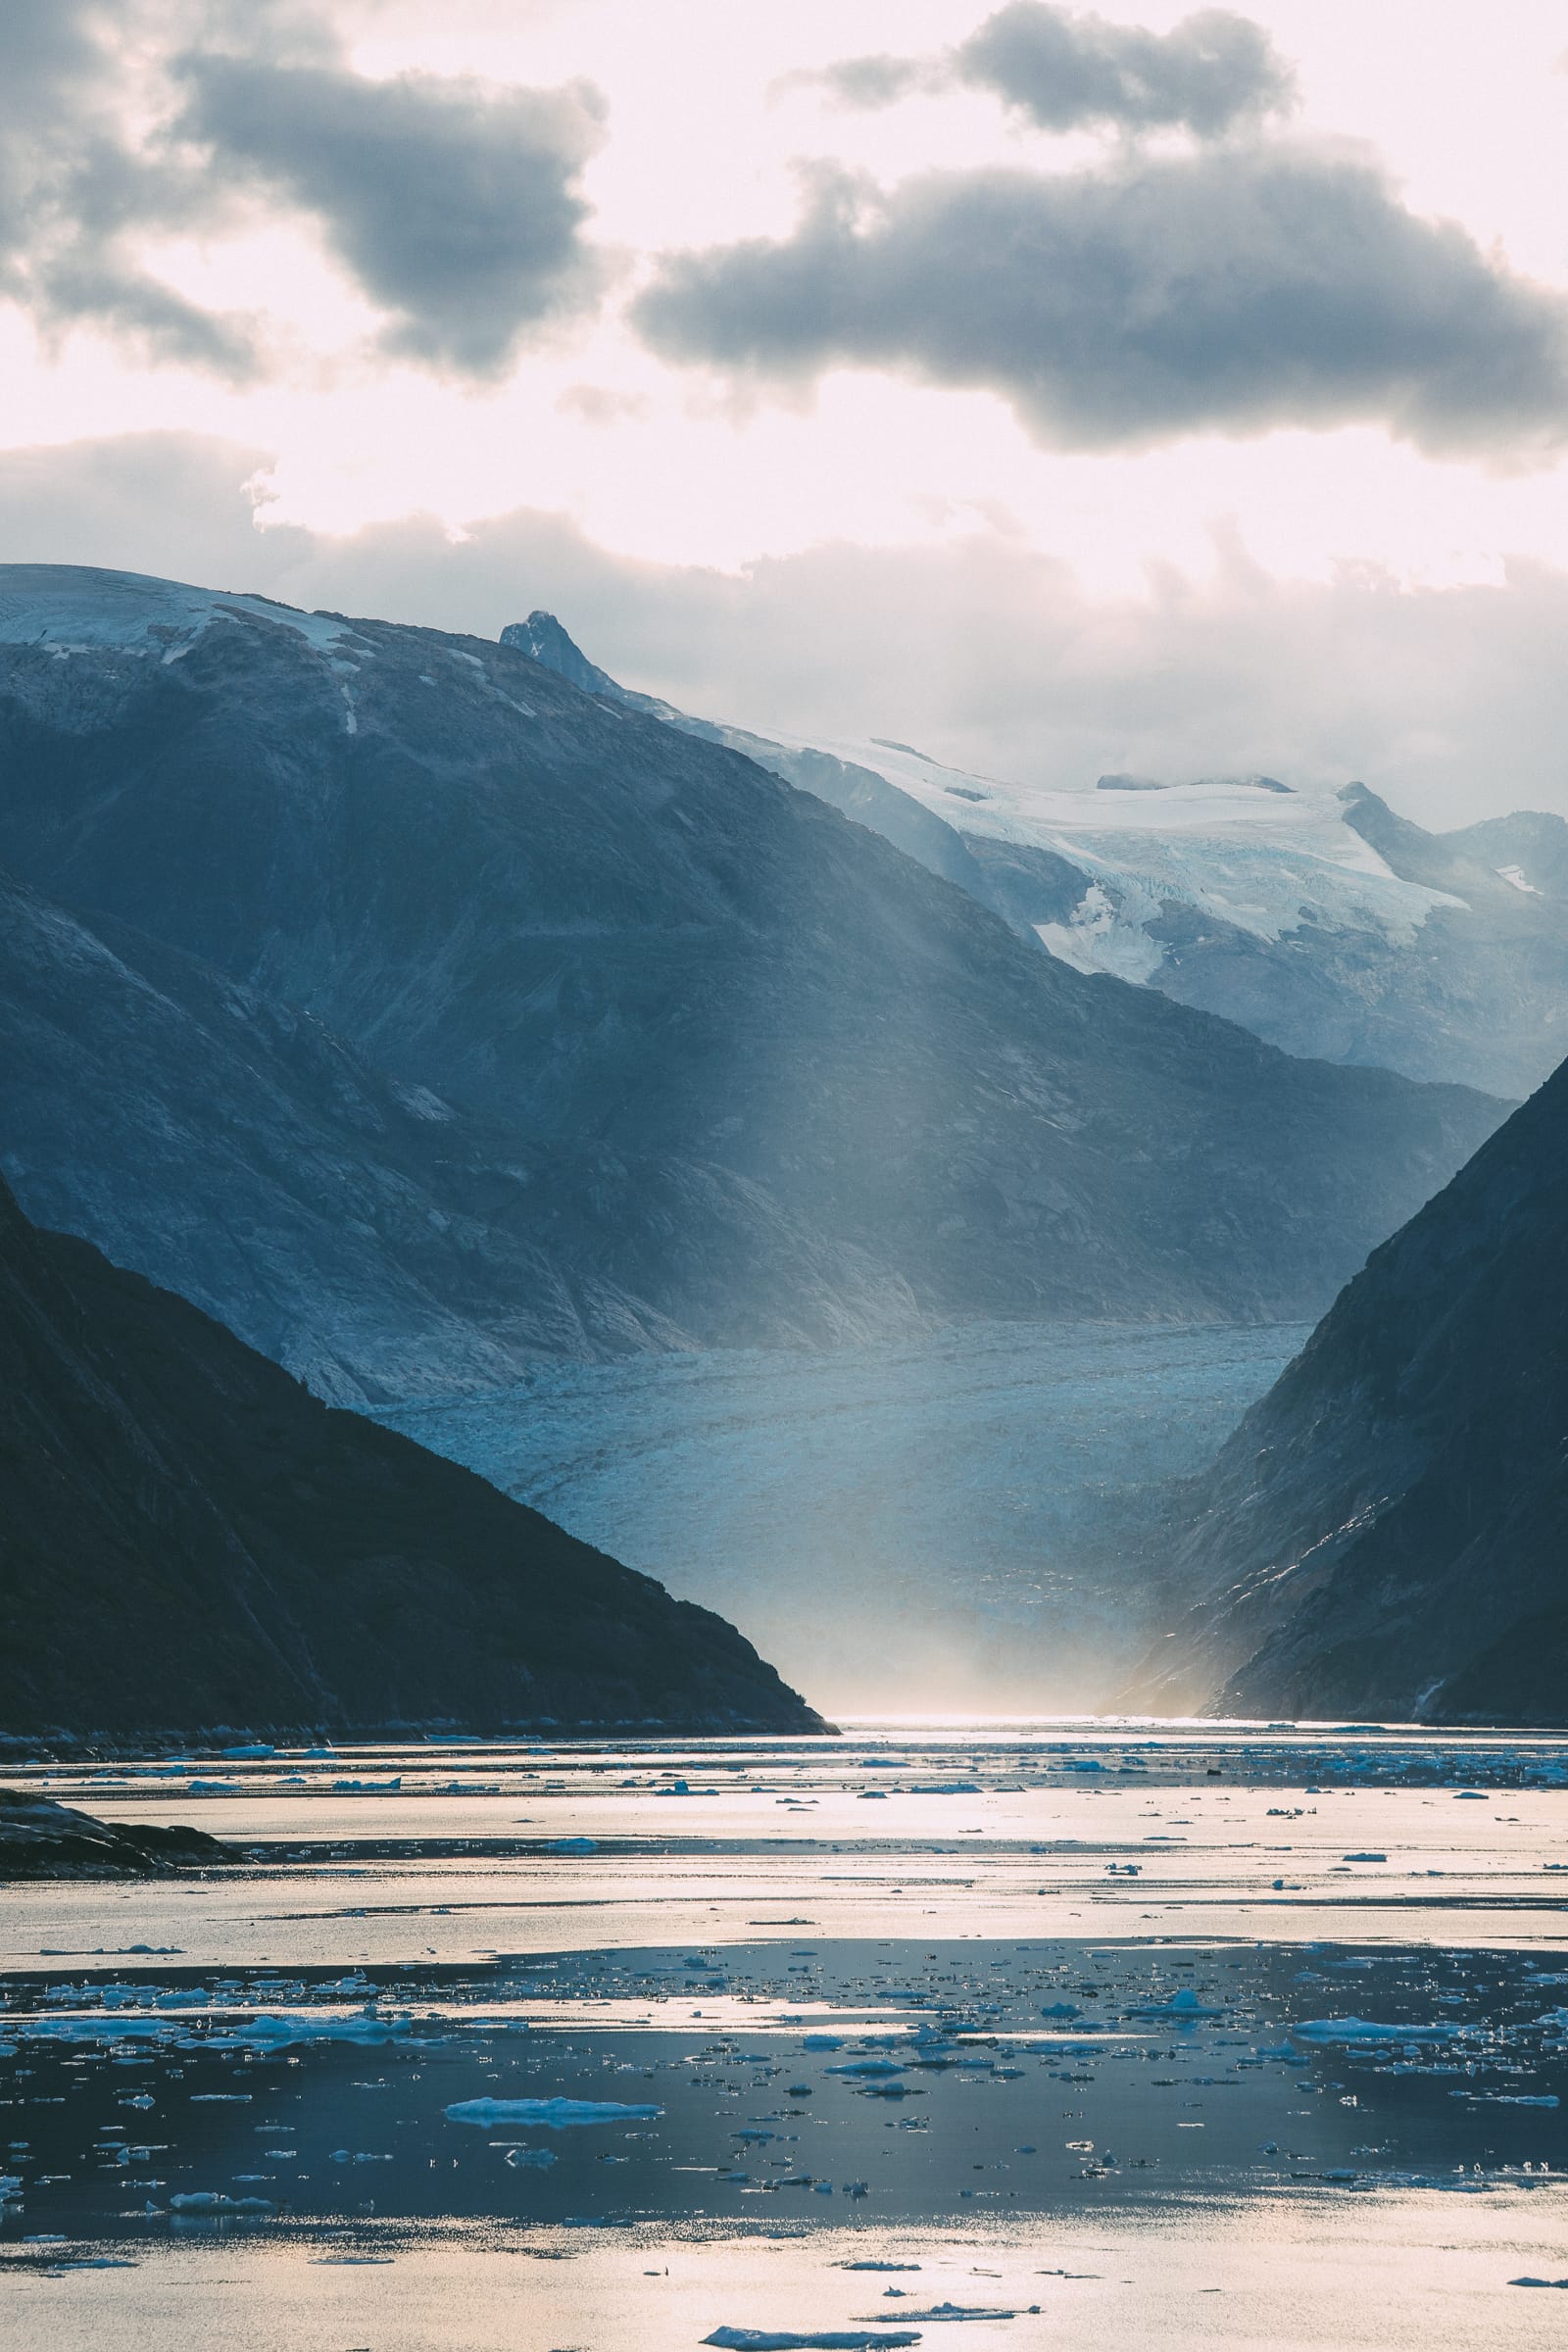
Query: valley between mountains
x=431 y=1011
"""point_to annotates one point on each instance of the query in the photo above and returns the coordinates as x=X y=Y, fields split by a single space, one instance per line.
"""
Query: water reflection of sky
x=936 y=1997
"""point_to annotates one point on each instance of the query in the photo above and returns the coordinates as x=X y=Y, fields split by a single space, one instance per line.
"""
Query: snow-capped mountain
x=720 y=1067
x=1313 y=915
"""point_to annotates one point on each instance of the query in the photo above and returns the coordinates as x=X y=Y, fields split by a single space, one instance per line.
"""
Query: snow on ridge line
x=71 y=607
x=1256 y=857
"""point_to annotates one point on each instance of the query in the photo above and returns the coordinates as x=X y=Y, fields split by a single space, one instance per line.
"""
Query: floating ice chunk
x=867 y=2066
x=211 y=2200
x=554 y=2114
x=840 y=2340
x=525 y=2159
x=1508 y=2098
x=573 y=1846
x=1181 y=2007
x=961 y=2310
x=1360 y=2029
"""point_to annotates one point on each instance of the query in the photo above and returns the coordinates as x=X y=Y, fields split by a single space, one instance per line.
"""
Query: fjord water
x=1120 y=2033
x=942 y=1523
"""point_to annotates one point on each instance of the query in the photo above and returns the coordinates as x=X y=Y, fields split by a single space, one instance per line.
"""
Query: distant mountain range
x=1316 y=918
x=419 y=1011
x=1387 y=1532
x=189 y=1541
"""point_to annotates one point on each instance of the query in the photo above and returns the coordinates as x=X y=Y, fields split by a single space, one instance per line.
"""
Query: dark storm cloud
x=455 y=206
x=1212 y=70
x=1228 y=290
x=1066 y=72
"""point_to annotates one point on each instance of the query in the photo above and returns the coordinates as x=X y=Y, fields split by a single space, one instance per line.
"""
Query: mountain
x=769 y=1079
x=1314 y=916
x=1387 y=1532
x=368 y=1234
x=189 y=1540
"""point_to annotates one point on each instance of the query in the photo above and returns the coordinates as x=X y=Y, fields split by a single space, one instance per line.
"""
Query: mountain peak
x=543 y=639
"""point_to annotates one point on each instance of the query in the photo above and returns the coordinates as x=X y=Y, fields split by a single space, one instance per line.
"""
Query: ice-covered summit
x=72 y=607
x=1238 y=848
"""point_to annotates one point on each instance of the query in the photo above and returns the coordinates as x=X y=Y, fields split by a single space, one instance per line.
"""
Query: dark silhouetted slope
x=189 y=1541
x=1387 y=1532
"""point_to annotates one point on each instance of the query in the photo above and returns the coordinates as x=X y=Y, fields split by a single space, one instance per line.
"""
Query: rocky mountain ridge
x=732 y=1069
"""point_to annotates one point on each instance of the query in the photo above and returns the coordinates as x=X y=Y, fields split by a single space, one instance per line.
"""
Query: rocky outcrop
x=41 y=1840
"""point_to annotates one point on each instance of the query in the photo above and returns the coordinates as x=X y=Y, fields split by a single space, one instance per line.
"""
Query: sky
x=1181 y=392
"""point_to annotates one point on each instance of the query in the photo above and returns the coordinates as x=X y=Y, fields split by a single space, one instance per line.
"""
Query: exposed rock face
x=191 y=1543
x=41 y=1840
x=764 y=1077
x=1387 y=1532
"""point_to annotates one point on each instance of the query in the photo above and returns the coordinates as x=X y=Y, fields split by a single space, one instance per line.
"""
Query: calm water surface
x=1142 y=2036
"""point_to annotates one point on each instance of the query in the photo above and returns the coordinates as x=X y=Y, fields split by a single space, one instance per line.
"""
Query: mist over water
x=944 y=1526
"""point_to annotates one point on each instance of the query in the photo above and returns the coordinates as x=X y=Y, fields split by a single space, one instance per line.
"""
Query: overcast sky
x=1059 y=391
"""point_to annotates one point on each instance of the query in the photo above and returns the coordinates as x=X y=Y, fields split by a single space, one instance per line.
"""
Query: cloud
x=77 y=190
x=1212 y=72
x=1451 y=702
x=455 y=205
x=1229 y=290
x=868 y=84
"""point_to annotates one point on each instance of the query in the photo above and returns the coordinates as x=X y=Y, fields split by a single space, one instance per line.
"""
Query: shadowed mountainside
x=1387 y=1532
x=190 y=1542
